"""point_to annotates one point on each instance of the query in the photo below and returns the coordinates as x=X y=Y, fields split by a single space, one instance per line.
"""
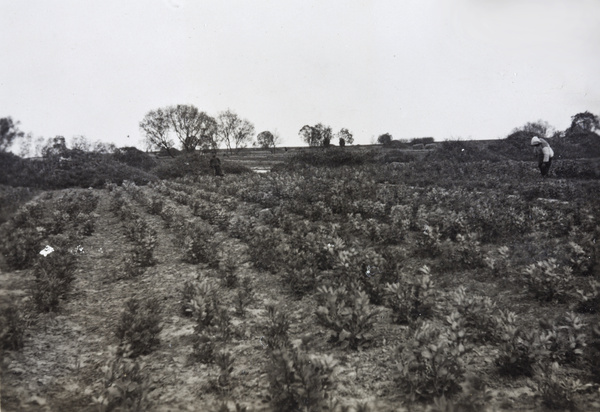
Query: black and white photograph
x=299 y=205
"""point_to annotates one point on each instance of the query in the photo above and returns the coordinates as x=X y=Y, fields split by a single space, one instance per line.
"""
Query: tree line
x=193 y=130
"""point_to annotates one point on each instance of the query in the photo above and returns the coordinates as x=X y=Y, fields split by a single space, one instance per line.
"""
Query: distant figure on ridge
x=215 y=163
x=544 y=152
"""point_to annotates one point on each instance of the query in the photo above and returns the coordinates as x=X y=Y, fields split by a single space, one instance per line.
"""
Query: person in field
x=215 y=163
x=544 y=153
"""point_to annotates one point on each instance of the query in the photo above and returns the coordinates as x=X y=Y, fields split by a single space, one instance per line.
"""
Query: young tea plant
x=224 y=361
x=477 y=312
x=278 y=326
x=520 y=349
x=430 y=363
x=567 y=338
x=298 y=382
x=547 y=281
x=497 y=261
x=413 y=297
x=139 y=327
x=244 y=296
x=54 y=274
x=124 y=386
x=556 y=390
x=349 y=315
x=589 y=300
x=12 y=328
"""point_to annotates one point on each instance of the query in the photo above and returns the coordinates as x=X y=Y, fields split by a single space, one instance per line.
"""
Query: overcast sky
x=469 y=69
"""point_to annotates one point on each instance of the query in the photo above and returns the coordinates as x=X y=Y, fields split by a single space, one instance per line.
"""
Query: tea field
x=416 y=286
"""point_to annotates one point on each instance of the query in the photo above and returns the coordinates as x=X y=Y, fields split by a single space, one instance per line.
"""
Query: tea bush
x=298 y=382
x=139 y=327
x=430 y=363
x=497 y=261
x=125 y=386
x=413 y=297
x=466 y=251
x=278 y=326
x=556 y=392
x=592 y=354
x=520 y=348
x=566 y=338
x=53 y=274
x=583 y=254
x=199 y=245
x=201 y=300
x=21 y=246
x=224 y=361
x=478 y=314
x=12 y=328
x=588 y=301
x=243 y=297
x=348 y=314
x=548 y=281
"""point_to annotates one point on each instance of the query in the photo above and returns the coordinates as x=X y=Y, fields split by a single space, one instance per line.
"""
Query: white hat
x=535 y=141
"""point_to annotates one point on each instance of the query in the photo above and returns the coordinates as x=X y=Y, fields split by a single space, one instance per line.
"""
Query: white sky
x=470 y=69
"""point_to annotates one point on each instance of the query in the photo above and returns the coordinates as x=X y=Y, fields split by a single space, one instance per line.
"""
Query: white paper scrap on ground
x=47 y=250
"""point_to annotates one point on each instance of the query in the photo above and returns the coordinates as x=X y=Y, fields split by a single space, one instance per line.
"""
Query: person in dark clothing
x=215 y=163
x=544 y=153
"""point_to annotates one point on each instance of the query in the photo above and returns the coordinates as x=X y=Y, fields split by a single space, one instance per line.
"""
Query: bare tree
x=80 y=143
x=231 y=129
x=540 y=128
x=190 y=125
x=244 y=134
x=155 y=126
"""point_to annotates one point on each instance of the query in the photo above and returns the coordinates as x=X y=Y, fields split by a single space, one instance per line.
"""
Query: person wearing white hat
x=544 y=153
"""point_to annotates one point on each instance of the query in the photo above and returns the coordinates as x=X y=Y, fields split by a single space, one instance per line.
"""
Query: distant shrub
x=333 y=157
x=461 y=152
x=577 y=145
x=576 y=169
x=20 y=247
x=192 y=164
x=134 y=157
x=15 y=171
x=73 y=168
x=422 y=140
x=92 y=170
x=11 y=198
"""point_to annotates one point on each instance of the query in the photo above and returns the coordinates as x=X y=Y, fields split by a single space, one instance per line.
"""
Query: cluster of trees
x=45 y=147
x=321 y=135
x=194 y=129
x=581 y=123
